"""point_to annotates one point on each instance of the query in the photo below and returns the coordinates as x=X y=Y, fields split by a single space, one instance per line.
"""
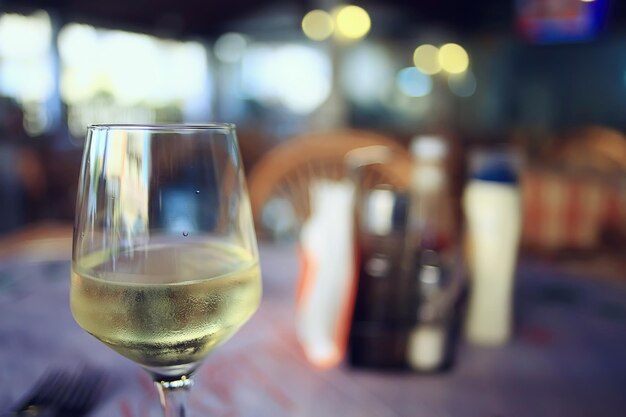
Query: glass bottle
x=431 y=250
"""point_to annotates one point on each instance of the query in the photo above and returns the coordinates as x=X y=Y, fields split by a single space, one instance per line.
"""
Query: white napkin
x=327 y=282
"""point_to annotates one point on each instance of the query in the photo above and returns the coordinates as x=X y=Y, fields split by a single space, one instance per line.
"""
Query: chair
x=288 y=169
x=575 y=198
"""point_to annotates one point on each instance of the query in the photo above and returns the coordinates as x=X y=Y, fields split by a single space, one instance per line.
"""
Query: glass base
x=167 y=374
x=173 y=396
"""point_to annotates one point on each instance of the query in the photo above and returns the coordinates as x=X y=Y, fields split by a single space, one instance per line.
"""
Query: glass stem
x=173 y=396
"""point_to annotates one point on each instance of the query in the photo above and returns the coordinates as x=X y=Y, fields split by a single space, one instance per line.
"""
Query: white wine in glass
x=165 y=264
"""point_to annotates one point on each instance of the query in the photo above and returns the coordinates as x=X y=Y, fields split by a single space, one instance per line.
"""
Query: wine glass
x=164 y=262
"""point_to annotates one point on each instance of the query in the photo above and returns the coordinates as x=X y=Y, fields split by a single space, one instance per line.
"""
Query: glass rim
x=167 y=127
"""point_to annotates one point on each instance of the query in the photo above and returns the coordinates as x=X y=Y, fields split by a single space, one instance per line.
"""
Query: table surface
x=568 y=357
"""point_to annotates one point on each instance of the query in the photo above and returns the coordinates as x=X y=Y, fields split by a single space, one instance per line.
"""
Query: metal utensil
x=61 y=394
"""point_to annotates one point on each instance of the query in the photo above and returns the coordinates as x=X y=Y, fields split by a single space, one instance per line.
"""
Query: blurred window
x=113 y=75
x=27 y=66
x=295 y=76
x=367 y=73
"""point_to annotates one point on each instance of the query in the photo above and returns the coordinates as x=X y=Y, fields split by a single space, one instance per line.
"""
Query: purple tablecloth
x=568 y=357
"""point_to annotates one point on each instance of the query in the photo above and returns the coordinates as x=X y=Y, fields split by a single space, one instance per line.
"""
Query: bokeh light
x=318 y=25
x=462 y=85
x=453 y=58
x=426 y=59
x=414 y=83
x=230 y=47
x=352 y=22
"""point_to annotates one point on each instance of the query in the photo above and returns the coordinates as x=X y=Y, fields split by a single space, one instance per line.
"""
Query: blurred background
x=548 y=76
x=537 y=87
x=545 y=76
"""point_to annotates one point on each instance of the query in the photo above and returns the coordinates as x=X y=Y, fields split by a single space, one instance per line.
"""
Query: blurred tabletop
x=568 y=357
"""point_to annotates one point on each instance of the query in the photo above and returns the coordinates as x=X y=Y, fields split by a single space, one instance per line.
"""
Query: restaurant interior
x=438 y=190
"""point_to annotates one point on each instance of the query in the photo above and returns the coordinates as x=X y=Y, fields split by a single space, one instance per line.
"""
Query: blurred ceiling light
x=587 y=1
x=318 y=25
x=230 y=47
x=453 y=58
x=352 y=22
x=414 y=83
x=462 y=85
x=426 y=59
